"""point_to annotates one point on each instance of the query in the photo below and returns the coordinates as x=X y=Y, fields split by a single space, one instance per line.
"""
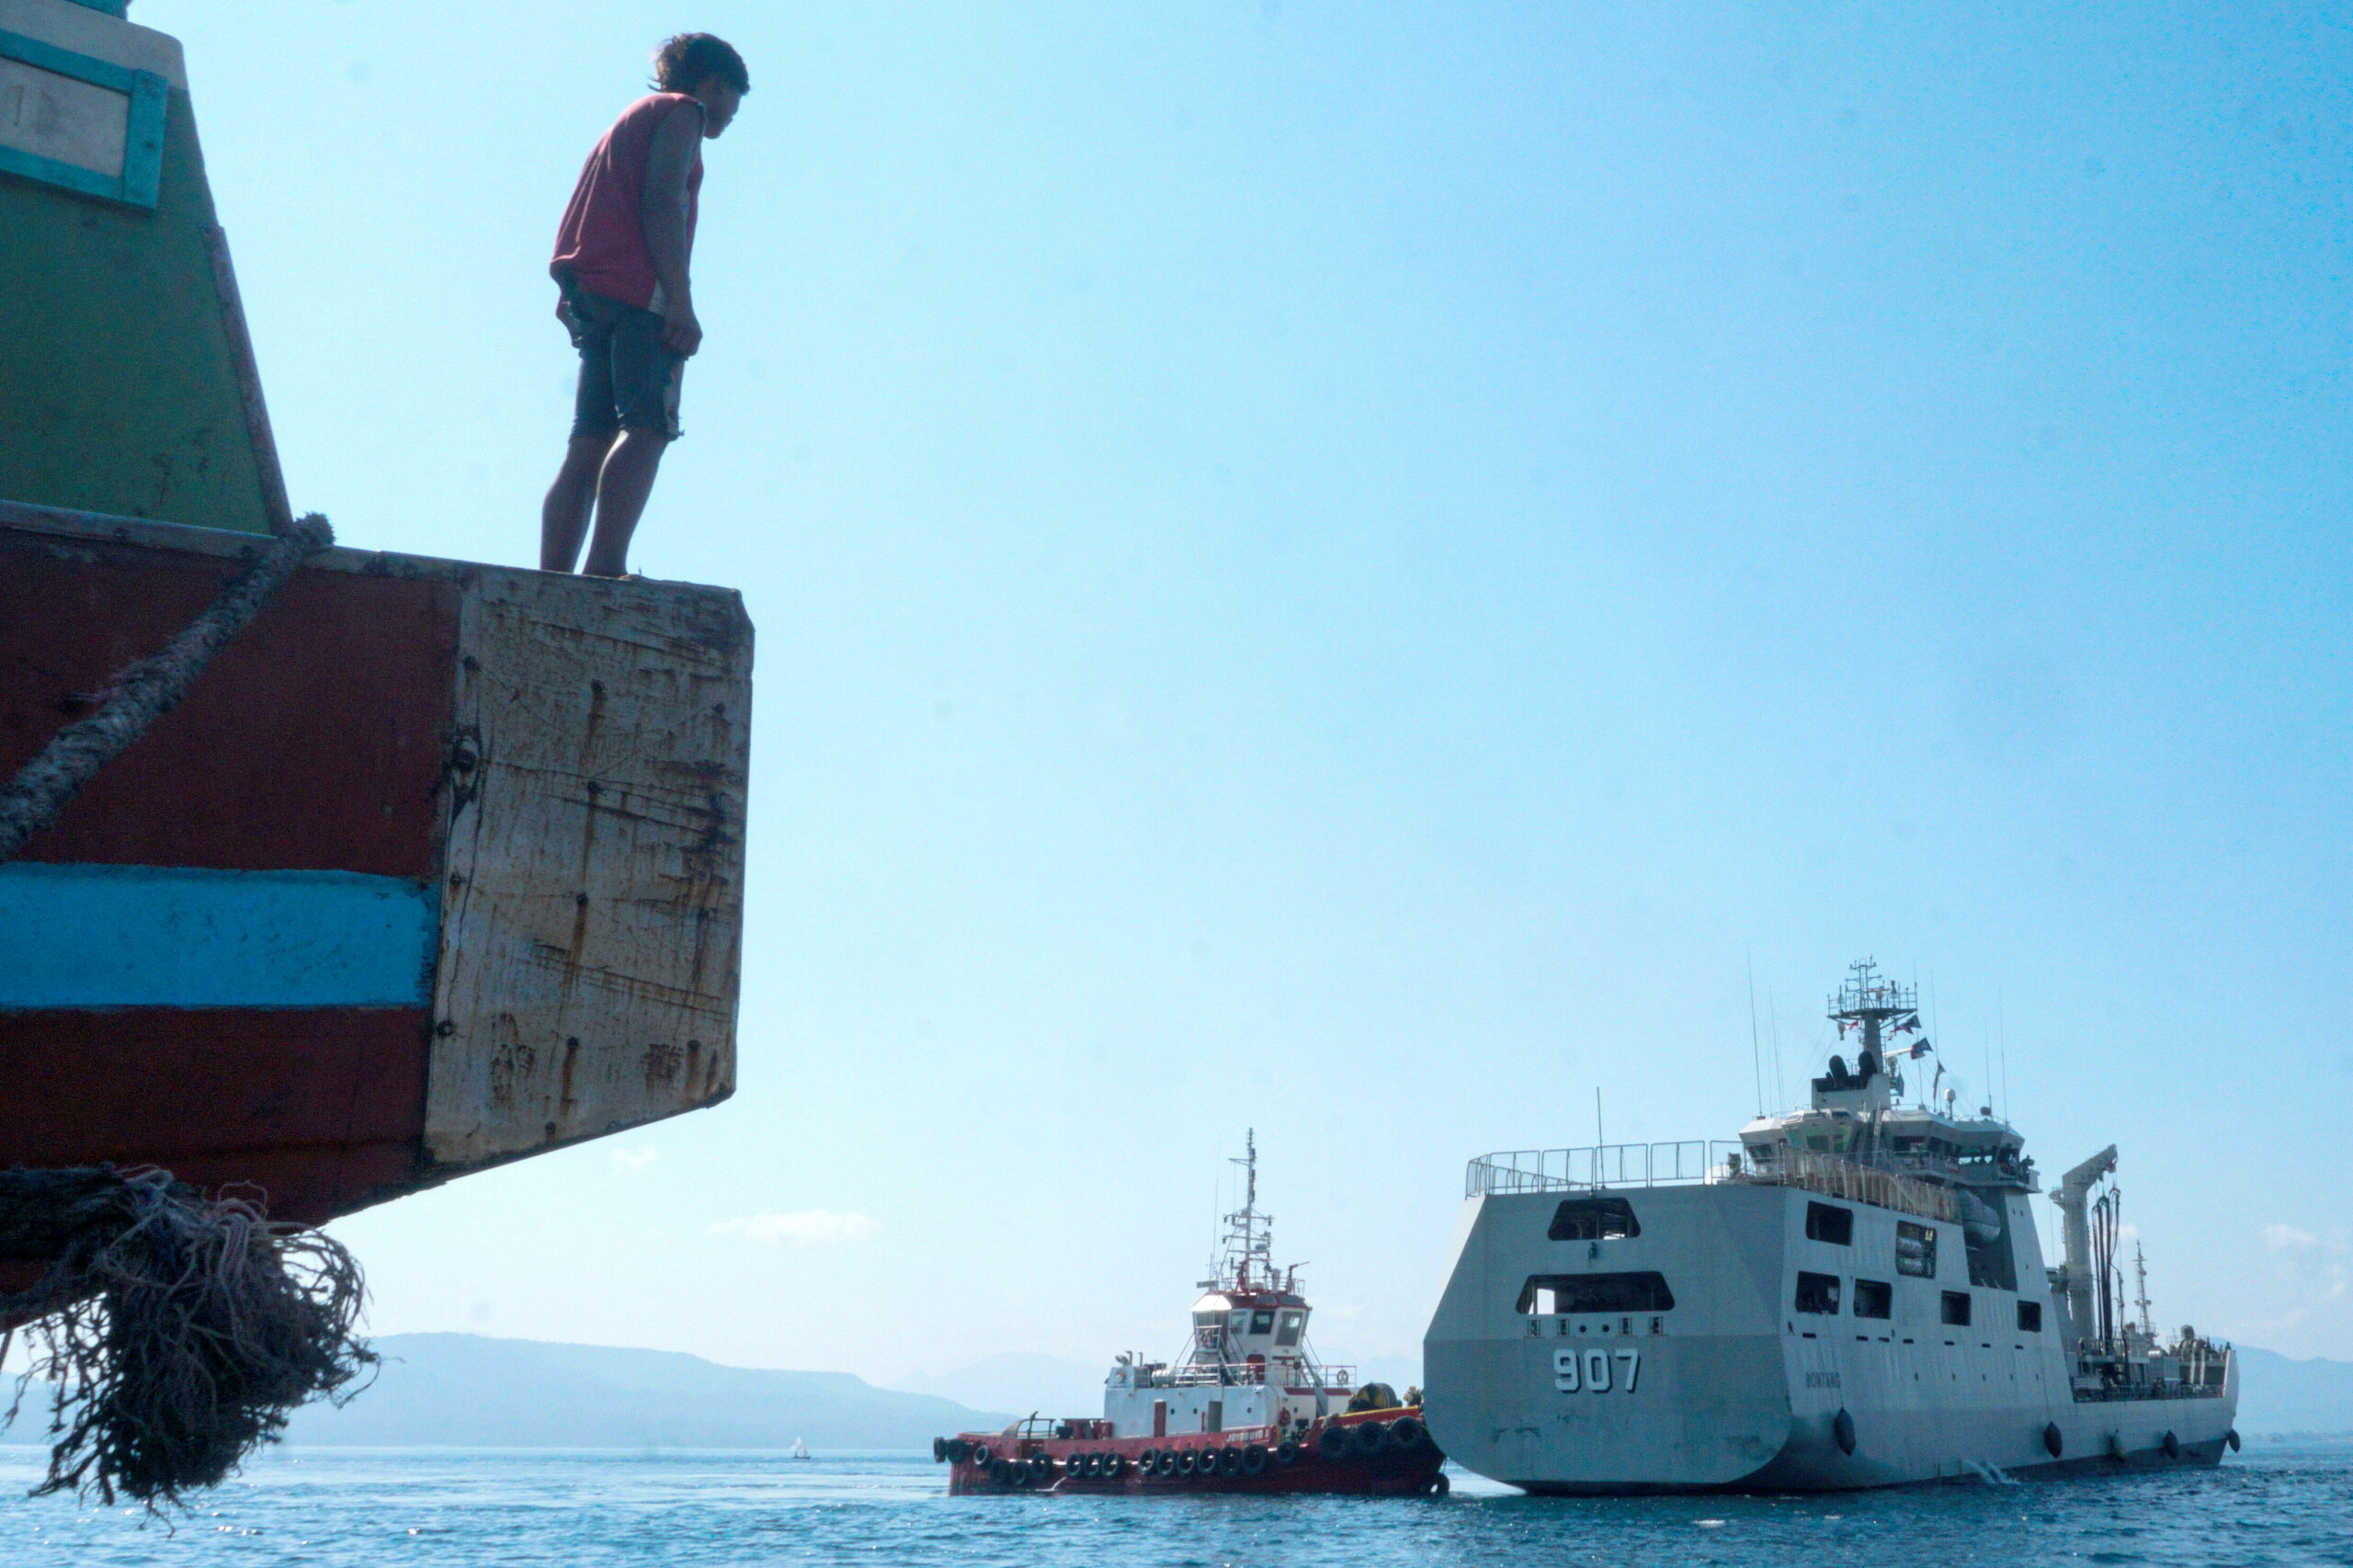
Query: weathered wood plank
x=592 y=922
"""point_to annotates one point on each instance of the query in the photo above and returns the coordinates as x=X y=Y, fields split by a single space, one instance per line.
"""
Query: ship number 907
x=1588 y=1370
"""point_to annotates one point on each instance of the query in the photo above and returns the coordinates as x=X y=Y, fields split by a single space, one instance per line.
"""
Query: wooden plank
x=593 y=920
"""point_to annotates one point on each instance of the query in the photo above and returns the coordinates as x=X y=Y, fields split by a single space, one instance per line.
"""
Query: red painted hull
x=996 y=1462
x=558 y=764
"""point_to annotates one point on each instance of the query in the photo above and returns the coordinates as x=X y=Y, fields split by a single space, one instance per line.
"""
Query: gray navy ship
x=1849 y=1295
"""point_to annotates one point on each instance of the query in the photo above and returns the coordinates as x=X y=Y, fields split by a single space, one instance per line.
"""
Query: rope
x=177 y=1332
x=145 y=691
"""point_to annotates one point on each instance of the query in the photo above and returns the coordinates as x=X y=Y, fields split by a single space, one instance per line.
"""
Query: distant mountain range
x=464 y=1390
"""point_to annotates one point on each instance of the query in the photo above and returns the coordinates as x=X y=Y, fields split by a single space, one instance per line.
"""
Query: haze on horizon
x=1352 y=570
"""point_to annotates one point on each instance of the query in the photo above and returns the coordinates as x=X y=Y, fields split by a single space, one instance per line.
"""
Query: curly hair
x=686 y=62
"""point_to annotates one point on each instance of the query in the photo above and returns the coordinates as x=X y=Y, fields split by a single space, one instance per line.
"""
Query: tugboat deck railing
x=1700 y=1162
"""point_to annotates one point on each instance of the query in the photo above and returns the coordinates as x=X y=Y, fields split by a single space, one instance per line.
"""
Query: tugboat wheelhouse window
x=1287 y=1328
x=1548 y=1294
x=2029 y=1317
x=1594 y=1220
x=1874 y=1299
x=1262 y=1321
x=1828 y=1222
x=1915 y=1250
x=1957 y=1308
x=1817 y=1293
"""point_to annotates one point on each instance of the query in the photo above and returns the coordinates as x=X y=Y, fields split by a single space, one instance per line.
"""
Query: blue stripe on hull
x=81 y=936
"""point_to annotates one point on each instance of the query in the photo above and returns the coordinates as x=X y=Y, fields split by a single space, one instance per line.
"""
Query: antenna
x=1773 y=1015
x=2141 y=1266
x=1756 y=1052
x=1598 y=1141
x=2002 y=1022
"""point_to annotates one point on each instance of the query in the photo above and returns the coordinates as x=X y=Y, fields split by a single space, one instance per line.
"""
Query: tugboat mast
x=1249 y=1235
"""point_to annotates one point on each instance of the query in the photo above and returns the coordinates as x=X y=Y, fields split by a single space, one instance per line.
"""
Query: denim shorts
x=628 y=377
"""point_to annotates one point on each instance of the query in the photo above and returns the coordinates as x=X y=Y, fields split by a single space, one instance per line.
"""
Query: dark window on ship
x=1594 y=1220
x=1957 y=1308
x=1554 y=1293
x=1262 y=1322
x=1874 y=1299
x=1828 y=1222
x=2029 y=1317
x=1287 y=1330
x=1915 y=1249
x=1817 y=1293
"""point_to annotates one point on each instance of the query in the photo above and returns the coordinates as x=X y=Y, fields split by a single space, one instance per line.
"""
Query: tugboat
x=1851 y=1295
x=1247 y=1408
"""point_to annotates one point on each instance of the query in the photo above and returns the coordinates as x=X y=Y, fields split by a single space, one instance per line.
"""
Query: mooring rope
x=146 y=690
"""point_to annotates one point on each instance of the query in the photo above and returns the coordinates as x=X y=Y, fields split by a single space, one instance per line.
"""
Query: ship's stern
x=1601 y=1341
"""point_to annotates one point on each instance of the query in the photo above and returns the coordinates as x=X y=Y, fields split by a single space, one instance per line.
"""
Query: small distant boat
x=800 y=1450
x=1247 y=1409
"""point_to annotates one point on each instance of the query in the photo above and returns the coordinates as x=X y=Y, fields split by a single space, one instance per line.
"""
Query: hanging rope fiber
x=145 y=691
x=178 y=1332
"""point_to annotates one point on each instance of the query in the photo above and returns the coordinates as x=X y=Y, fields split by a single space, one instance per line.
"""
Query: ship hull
x=438 y=866
x=1732 y=1388
x=1244 y=1461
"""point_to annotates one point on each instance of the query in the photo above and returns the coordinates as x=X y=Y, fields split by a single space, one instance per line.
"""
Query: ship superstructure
x=1851 y=1294
x=1245 y=1405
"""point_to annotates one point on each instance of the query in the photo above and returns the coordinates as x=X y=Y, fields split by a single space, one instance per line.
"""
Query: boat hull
x=1399 y=1461
x=438 y=866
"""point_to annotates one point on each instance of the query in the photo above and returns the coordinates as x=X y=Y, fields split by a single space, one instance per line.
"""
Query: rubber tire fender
x=1408 y=1433
x=1001 y=1471
x=1146 y=1461
x=1440 y=1485
x=1336 y=1444
x=1168 y=1465
x=939 y=1449
x=2054 y=1442
x=1114 y=1465
x=1254 y=1458
x=2231 y=1437
x=2172 y=1445
x=1286 y=1452
x=1186 y=1461
x=1842 y=1431
x=1229 y=1460
x=981 y=1455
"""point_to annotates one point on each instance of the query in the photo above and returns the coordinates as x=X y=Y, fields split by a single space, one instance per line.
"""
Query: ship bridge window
x=1828 y=1222
x=1594 y=1220
x=1915 y=1249
x=1240 y=1325
x=1957 y=1308
x=1287 y=1327
x=1817 y=1293
x=1874 y=1299
x=1546 y=1294
x=1262 y=1321
x=2029 y=1317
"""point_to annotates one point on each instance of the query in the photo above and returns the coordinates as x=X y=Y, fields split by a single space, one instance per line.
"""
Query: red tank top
x=601 y=243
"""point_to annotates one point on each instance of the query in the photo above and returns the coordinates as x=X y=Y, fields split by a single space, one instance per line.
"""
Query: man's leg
x=563 y=516
x=622 y=491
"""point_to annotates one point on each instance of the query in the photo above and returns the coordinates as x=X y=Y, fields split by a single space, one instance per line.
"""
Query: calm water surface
x=366 y=1508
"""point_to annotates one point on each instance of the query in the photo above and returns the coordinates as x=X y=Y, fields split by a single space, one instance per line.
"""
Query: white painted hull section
x=1733 y=1389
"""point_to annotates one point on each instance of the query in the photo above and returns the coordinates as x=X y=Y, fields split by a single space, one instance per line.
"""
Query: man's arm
x=662 y=215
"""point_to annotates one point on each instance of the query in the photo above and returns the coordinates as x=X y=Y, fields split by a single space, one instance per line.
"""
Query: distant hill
x=465 y=1391
x=2279 y=1395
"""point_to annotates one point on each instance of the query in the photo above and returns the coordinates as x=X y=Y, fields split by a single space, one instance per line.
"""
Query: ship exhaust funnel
x=2075 y=1189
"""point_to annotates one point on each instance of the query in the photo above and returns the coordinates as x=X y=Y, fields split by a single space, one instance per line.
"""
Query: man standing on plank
x=621 y=261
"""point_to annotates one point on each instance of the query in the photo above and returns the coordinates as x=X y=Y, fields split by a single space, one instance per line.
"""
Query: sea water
x=365 y=1507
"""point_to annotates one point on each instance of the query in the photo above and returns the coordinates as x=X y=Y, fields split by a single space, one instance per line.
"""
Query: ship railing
x=1236 y=1374
x=1695 y=1161
x=1606 y=1164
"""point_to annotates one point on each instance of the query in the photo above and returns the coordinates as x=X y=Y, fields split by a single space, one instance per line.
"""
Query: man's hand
x=681 y=331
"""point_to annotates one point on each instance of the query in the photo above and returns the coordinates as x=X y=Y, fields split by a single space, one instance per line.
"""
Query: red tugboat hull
x=1372 y=1453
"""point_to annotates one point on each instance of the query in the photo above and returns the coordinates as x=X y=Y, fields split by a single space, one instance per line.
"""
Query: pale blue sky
x=1339 y=568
